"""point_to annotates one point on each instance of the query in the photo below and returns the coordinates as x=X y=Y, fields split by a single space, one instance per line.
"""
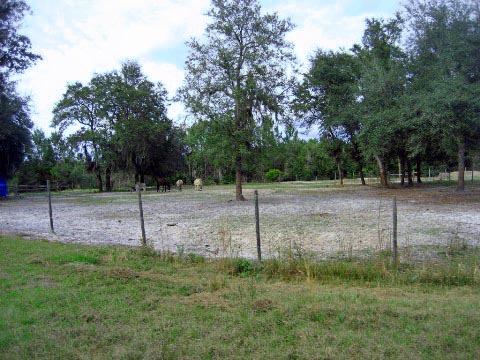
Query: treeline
x=115 y=123
x=405 y=99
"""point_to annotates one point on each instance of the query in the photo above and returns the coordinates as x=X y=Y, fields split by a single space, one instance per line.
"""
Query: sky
x=78 y=38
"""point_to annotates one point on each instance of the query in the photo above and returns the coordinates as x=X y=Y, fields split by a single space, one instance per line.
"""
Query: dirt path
x=297 y=216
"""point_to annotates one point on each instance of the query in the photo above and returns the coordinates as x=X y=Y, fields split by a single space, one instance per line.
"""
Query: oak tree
x=15 y=57
x=239 y=74
x=445 y=44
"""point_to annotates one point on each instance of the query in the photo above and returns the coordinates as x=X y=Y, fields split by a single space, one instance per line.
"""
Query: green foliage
x=53 y=159
x=123 y=124
x=144 y=136
x=196 y=259
x=273 y=175
x=243 y=267
x=15 y=54
x=209 y=149
x=40 y=161
x=15 y=57
x=238 y=78
x=377 y=104
x=81 y=107
x=444 y=38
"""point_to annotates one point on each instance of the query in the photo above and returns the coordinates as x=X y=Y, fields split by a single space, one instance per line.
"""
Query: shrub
x=243 y=266
x=195 y=258
x=273 y=175
x=237 y=266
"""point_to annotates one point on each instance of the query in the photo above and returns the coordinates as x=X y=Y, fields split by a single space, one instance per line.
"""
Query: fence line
x=369 y=180
x=319 y=228
x=17 y=189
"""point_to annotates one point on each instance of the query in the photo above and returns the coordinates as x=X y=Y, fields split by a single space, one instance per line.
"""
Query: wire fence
x=291 y=220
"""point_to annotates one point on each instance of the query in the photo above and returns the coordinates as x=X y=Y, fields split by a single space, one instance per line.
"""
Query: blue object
x=3 y=187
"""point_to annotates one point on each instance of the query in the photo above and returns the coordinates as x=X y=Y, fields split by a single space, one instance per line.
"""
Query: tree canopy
x=15 y=57
x=445 y=45
x=239 y=75
x=407 y=97
x=119 y=120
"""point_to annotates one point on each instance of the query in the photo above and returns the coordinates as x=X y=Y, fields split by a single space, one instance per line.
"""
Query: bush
x=273 y=175
x=237 y=266
x=243 y=266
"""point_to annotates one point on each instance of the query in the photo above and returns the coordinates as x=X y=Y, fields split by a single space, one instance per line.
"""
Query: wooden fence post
x=257 y=227
x=394 y=234
x=50 y=207
x=142 y=223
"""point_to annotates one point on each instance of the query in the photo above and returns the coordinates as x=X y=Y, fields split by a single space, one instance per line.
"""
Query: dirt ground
x=299 y=216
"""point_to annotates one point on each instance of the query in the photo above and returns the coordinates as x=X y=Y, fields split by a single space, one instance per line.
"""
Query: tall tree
x=383 y=83
x=240 y=74
x=81 y=108
x=39 y=161
x=15 y=57
x=15 y=54
x=120 y=119
x=445 y=45
x=145 y=137
x=328 y=97
x=15 y=125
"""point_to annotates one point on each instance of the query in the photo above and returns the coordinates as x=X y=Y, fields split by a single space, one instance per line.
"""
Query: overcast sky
x=77 y=38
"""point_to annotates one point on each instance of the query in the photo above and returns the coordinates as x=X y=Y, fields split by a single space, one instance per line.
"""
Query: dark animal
x=163 y=183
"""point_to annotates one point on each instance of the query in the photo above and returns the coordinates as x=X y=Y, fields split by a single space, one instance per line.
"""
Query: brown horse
x=164 y=183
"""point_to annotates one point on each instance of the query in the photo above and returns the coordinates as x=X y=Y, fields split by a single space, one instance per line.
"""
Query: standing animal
x=179 y=184
x=198 y=184
x=164 y=183
x=139 y=185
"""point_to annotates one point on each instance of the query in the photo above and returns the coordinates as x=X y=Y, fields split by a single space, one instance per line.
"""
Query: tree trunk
x=382 y=171
x=108 y=182
x=401 y=163
x=339 y=168
x=238 y=156
x=220 y=175
x=461 y=165
x=205 y=168
x=357 y=156
x=410 y=173
x=142 y=178
x=238 y=178
x=419 y=170
x=362 y=176
x=99 y=181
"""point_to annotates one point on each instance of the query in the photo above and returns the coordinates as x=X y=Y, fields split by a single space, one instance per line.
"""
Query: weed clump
x=238 y=266
x=457 y=269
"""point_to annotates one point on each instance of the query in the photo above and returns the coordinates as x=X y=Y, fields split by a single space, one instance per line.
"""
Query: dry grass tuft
x=262 y=305
x=320 y=215
x=207 y=300
x=121 y=273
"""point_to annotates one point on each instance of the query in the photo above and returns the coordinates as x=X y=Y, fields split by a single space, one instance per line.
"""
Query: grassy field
x=70 y=301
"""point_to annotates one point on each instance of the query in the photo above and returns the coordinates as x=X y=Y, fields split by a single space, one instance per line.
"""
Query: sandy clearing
x=327 y=221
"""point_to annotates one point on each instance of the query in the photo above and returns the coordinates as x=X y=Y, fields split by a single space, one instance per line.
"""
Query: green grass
x=70 y=301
